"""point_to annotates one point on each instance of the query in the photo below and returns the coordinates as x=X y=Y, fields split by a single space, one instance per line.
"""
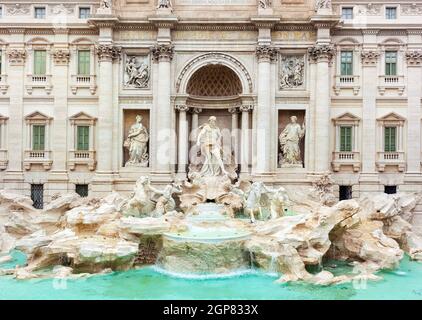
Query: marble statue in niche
x=209 y=142
x=289 y=140
x=137 y=72
x=137 y=144
x=292 y=72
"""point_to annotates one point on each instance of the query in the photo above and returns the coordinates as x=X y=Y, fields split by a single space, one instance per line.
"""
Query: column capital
x=320 y=52
x=266 y=53
x=369 y=57
x=246 y=107
x=16 y=57
x=181 y=107
x=233 y=110
x=196 y=110
x=61 y=56
x=162 y=52
x=414 y=57
x=108 y=52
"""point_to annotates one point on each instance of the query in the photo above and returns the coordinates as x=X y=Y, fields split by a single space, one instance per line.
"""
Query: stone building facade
x=75 y=75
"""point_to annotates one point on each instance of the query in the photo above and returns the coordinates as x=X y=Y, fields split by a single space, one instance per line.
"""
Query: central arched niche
x=214 y=80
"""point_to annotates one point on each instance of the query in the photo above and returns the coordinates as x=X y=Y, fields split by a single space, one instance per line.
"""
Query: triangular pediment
x=347 y=117
x=82 y=116
x=392 y=117
x=37 y=116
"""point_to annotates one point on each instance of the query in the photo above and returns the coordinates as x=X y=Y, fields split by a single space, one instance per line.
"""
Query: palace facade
x=76 y=74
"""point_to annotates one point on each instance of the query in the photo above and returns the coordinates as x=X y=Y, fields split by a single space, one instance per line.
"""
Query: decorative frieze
x=16 y=56
x=266 y=53
x=369 y=57
x=411 y=9
x=369 y=10
x=137 y=72
x=62 y=9
x=18 y=9
x=162 y=52
x=61 y=56
x=322 y=4
x=108 y=52
x=414 y=57
x=292 y=72
x=321 y=52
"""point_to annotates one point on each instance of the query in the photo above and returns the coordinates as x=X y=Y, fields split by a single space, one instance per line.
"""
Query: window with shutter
x=40 y=57
x=390 y=139
x=83 y=62
x=38 y=137
x=346 y=63
x=83 y=137
x=391 y=63
x=346 y=139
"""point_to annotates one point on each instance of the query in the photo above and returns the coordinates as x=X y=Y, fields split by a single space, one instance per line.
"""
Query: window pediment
x=392 y=119
x=37 y=117
x=82 y=118
x=346 y=118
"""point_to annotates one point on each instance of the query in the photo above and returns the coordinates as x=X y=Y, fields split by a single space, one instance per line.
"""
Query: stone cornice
x=321 y=52
x=265 y=22
x=167 y=22
x=414 y=57
x=162 y=52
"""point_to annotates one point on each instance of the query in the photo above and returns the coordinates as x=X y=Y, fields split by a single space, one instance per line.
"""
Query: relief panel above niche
x=137 y=71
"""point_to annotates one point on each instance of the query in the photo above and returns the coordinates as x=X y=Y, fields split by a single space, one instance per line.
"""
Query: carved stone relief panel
x=292 y=72
x=137 y=71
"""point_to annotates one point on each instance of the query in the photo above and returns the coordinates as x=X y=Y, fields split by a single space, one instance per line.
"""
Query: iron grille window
x=37 y=195
x=82 y=190
x=345 y=193
x=390 y=189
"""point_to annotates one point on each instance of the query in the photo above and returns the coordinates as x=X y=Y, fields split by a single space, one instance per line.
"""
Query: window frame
x=387 y=9
x=346 y=63
x=36 y=8
x=34 y=67
x=42 y=144
x=86 y=137
x=388 y=66
x=389 y=144
x=84 y=8
x=351 y=11
x=349 y=144
x=88 y=66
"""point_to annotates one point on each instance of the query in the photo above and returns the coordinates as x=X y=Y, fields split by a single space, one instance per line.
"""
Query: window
x=391 y=13
x=39 y=12
x=84 y=13
x=83 y=138
x=1 y=11
x=38 y=137
x=1 y=60
x=84 y=62
x=346 y=63
x=391 y=63
x=390 y=139
x=37 y=195
x=40 y=57
x=390 y=189
x=345 y=193
x=347 y=13
x=82 y=190
x=345 y=139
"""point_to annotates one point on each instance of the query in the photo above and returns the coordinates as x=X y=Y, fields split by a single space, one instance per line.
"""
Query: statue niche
x=136 y=143
x=291 y=144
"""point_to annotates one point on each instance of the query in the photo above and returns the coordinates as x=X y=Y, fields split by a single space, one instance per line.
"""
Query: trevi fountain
x=253 y=240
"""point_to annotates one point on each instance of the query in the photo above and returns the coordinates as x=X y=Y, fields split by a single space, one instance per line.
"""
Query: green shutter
x=346 y=63
x=83 y=137
x=1 y=55
x=84 y=62
x=38 y=137
x=345 y=139
x=390 y=139
x=40 y=57
x=391 y=63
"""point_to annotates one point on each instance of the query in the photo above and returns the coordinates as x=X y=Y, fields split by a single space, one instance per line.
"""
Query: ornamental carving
x=16 y=56
x=164 y=4
x=414 y=57
x=319 y=52
x=62 y=9
x=370 y=10
x=162 y=52
x=137 y=72
x=411 y=9
x=61 y=56
x=292 y=72
x=107 y=52
x=105 y=4
x=246 y=108
x=266 y=52
x=182 y=108
x=323 y=4
x=369 y=57
x=264 y=4
x=18 y=9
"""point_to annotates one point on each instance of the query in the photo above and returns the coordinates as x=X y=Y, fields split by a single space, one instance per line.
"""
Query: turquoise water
x=148 y=283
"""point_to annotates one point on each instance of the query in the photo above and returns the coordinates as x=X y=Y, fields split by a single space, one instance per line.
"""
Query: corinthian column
x=182 y=139
x=262 y=164
x=164 y=138
x=245 y=139
x=322 y=54
x=106 y=54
